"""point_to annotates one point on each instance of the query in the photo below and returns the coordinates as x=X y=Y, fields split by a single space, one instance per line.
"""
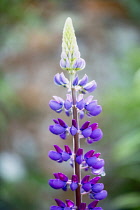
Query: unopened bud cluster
x=77 y=106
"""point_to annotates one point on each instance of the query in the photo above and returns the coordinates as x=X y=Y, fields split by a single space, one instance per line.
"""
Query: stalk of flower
x=78 y=107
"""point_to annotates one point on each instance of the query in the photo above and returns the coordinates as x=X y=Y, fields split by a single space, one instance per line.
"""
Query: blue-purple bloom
x=62 y=206
x=74 y=182
x=60 y=155
x=60 y=181
x=91 y=132
x=76 y=105
x=59 y=128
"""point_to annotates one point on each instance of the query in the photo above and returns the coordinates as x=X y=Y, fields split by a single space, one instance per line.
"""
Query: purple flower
x=75 y=81
x=60 y=181
x=60 y=79
x=94 y=162
x=62 y=206
x=93 y=108
x=92 y=206
x=57 y=104
x=74 y=182
x=90 y=87
x=60 y=155
x=99 y=196
x=83 y=81
x=86 y=185
x=79 y=156
x=59 y=128
x=73 y=129
x=91 y=132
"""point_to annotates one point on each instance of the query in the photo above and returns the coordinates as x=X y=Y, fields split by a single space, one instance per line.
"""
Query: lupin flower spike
x=78 y=107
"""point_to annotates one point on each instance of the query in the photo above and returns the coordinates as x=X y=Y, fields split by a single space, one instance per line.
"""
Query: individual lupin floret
x=91 y=132
x=57 y=104
x=60 y=181
x=61 y=80
x=70 y=56
x=92 y=206
x=94 y=163
x=79 y=156
x=62 y=206
x=74 y=182
x=59 y=128
x=60 y=155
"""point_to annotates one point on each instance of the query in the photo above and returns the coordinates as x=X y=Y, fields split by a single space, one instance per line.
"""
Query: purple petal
x=74 y=123
x=56 y=183
x=98 y=164
x=79 y=159
x=85 y=179
x=69 y=203
x=81 y=114
x=94 y=126
x=54 y=105
x=98 y=208
x=75 y=81
x=54 y=155
x=89 y=154
x=68 y=113
x=85 y=125
x=83 y=81
x=91 y=105
x=93 y=204
x=60 y=203
x=97 y=110
x=56 y=129
x=80 y=104
x=58 y=149
x=87 y=186
x=90 y=141
x=96 y=134
x=91 y=161
x=98 y=187
x=68 y=150
x=55 y=121
x=101 y=195
x=62 y=123
x=57 y=79
x=97 y=154
x=79 y=64
x=91 y=86
x=63 y=79
x=79 y=152
x=73 y=130
x=65 y=156
x=55 y=208
x=56 y=175
x=73 y=186
x=95 y=180
x=67 y=104
x=87 y=132
x=74 y=178
x=63 y=177
x=63 y=135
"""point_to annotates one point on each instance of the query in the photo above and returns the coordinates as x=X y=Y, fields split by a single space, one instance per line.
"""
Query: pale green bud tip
x=70 y=57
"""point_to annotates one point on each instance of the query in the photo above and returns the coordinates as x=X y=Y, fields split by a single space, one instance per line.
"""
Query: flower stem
x=76 y=146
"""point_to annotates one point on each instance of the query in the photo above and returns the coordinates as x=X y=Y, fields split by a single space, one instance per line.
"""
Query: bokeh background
x=30 y=45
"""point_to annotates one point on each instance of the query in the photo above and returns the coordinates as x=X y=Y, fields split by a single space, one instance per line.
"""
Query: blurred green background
x=30 y=45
